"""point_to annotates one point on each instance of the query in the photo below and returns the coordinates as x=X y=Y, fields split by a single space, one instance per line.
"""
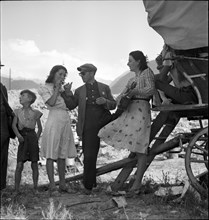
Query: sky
x=36 y=35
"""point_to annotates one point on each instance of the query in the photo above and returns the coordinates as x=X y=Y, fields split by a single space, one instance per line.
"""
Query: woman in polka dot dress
x=132 y=129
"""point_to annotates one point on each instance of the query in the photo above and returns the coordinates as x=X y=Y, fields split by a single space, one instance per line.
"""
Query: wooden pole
x=129 y=162
x=10 y=72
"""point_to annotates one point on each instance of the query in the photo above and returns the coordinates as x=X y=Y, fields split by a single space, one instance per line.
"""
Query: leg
x=179 y=96
x=50 y=172
x=141 y=166
x=61 y=172
x=18 y=172
x=91 y=143
x=34 y=166
x=145 y=160
x=4 y=160
x=117 y=114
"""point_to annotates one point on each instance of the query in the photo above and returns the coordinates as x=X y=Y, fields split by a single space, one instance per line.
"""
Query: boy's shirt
x=30 y=121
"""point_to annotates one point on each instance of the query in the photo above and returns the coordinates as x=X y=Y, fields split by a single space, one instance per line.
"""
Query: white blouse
x=46 y=91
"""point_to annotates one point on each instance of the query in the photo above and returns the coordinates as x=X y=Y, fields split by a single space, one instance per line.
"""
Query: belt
x=25 y=131
x=145 y=99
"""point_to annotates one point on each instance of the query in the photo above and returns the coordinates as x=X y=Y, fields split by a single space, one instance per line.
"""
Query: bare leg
x=61 y=171
x=141 y=167
x=18 y=173
x=145 y=160
x=34 y=166
x=50 y=172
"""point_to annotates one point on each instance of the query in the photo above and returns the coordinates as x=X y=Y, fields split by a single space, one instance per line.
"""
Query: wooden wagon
x=171 y=20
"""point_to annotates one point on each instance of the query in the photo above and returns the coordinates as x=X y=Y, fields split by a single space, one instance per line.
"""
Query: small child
x=24 y=123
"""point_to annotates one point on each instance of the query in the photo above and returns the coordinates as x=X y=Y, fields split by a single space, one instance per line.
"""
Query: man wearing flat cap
x=94 y=100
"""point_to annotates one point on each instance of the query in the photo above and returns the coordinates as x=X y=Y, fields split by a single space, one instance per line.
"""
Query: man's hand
x=67 y=88
x=101 y=101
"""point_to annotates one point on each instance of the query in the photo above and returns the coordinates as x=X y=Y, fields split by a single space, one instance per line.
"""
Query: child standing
x=24 y=123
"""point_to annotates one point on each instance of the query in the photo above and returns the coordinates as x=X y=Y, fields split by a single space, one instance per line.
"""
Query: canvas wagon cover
x=182 y=24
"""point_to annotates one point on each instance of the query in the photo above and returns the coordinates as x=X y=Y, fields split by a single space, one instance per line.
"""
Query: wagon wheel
x=196 y=161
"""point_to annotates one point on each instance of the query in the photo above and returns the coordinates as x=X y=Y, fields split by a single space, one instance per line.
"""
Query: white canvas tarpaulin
x=182 y=24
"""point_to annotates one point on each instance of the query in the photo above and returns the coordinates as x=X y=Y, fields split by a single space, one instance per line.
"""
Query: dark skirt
x=29 y=149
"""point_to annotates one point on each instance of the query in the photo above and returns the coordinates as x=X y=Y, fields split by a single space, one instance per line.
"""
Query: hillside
x=19 y=84
x=119 y=83
x=108 y=82
x=116 y=86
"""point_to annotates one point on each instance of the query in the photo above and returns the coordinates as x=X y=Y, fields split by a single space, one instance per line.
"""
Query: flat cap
x=87 y=67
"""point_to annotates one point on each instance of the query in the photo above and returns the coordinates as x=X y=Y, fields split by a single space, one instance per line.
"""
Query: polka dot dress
x=131 y=130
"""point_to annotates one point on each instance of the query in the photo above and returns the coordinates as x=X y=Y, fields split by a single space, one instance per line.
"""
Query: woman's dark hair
x=30 y=93
x=53 y=71
x=138 y=55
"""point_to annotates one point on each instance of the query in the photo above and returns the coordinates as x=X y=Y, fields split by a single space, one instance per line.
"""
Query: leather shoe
x=87 y=191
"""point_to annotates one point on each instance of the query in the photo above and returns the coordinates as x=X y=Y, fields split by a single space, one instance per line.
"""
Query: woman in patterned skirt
x=132 y=129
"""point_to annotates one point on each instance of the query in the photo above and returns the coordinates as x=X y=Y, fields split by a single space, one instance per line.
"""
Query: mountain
x=116 y=86
x=108 y=82
x=119 y=83
x=19 y=84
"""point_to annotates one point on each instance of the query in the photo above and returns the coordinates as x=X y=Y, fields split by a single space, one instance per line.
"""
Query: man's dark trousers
x=184 y=95
x=91 y=144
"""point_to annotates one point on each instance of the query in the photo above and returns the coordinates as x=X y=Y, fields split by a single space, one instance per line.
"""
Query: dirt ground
x=101 y=205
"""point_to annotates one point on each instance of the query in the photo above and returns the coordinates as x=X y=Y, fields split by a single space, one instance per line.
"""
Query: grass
x=20 y=208
x=13 y=211
x=194 y=206
x=16 y=209
x=191 y=202
x=54 y=212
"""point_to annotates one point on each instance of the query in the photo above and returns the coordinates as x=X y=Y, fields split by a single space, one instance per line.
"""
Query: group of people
x=130 y=128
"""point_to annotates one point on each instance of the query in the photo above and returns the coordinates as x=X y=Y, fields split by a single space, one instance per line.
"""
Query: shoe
x=87 y=191
x=35 y=192
x=133 y=193
x=54 y=192
x=66 y=190
x=118 y=193
x=16 y=194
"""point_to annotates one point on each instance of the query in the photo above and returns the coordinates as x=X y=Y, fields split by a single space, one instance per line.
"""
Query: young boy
x=24 y=124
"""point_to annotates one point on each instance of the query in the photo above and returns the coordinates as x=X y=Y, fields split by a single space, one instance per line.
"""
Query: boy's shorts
x=29 y=149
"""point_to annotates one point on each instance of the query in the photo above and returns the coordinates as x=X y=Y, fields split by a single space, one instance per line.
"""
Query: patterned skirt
x=131 y=130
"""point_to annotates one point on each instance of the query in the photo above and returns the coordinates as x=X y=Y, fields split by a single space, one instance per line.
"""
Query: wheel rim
x=196 y=161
